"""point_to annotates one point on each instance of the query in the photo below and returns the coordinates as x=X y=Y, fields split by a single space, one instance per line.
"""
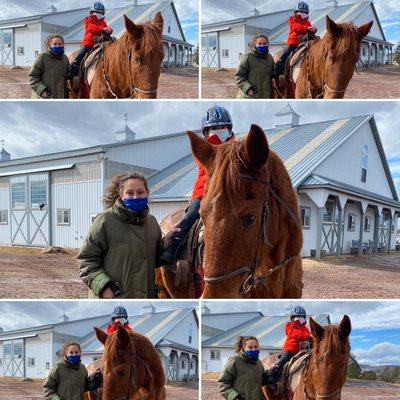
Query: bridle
x=134 y=90
x=252 y=281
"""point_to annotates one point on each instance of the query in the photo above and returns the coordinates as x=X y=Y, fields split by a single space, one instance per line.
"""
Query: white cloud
x=380 y=354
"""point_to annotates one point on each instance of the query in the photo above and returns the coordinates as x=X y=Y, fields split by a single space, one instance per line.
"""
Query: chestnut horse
x=252 y=232
x=130 y=67
x=329 y=63
x=326 y=369
x=131 y=367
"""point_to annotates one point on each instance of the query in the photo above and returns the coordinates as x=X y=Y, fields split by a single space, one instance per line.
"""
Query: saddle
x=188 y=257
x=291 y=373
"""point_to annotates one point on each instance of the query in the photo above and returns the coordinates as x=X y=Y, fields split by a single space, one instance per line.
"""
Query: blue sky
x=375 y=336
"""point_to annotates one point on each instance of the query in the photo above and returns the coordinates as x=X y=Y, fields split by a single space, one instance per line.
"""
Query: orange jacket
x=113 y=326
x=297 y=26
x=201 y=180
x=295 y=333
x=92 y=27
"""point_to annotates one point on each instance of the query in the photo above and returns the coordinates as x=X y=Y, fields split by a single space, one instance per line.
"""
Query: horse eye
x=120 y=374
x=249 y=220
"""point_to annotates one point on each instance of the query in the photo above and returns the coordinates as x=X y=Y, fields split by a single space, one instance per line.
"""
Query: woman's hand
x=107 y=293
x=167 y=238
x=250 y=93
x=44 y=95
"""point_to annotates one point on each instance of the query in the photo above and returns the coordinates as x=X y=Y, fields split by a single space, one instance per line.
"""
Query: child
x=296 y=332
x=68 y=378
x=217 y=129
x=119 y=317
x=255 y=71
x=48 y=75
x=243 y=374
x=299 y=25
x=94 y=26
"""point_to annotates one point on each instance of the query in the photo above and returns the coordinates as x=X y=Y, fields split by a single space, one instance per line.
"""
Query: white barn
x=269 y=330
x=223 y=43
x=22 y=39
x=30 y=352
x=346 y=194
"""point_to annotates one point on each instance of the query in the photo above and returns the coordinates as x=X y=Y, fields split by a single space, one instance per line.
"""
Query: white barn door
x=19 y=210
x=7 y=46
x=209 y=50
x=14 y=358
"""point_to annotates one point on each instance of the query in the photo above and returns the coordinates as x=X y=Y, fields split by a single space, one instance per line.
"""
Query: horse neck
x=316 y=57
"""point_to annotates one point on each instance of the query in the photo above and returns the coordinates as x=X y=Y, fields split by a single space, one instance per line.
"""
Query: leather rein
x=134 y=90
x=252 y=281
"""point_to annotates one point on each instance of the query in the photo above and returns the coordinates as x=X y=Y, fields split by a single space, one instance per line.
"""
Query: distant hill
x=376 y=368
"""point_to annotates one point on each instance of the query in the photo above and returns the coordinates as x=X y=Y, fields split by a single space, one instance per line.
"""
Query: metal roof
x=318 y=181
x=301 y=147
x=154 y=326
x=269 y=330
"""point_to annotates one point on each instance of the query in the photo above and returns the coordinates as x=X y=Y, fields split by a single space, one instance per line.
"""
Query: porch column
x=383 y=55
x=319 y=231
x=169 y=53
x=369 y=54
x=378 y=211
x=342 y=200
x=390 y=231
x=360 y=236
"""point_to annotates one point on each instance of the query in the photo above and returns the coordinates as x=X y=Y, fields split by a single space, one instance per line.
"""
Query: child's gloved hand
x=313 y=29
x=108 y=30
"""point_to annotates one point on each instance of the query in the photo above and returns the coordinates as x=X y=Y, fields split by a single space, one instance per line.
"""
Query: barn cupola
x=286 y=118
x=64 y=317
x=335 y=3
x=254 y=11
x=148 y=309
x=125 y=134
x=52 y=9
x=205 y=309
x=4 y=154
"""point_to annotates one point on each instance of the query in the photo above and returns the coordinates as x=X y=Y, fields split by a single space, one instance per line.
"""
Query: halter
x=252 y=281
x=134 y=90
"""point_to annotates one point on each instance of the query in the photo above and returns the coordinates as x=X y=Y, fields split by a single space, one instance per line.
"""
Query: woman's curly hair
x=50 y=38
x=65 y=346
x=116 y=186
x=241 y=341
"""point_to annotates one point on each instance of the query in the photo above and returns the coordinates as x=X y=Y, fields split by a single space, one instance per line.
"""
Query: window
x=351 y=222
x=240 y=55
x=38 y=194
x=92 y=218
x=7 y=350
x=364 y=163
x=36 y=53
x=31 y=361
x=190 y=339
x=204 y=41
x=63 y=217
x=305 y=215
x=367 y=224
x=47 y=366
x=183 y=364
x=169 y=29
x=329 y=211
x=18 y=195
x=192 y=364
x=363 y=52
x=212 y=41
x=20 y=51
x=225 y=53
x=3 y=217
x=215 y=355
x=392 y=225
x=1 y=362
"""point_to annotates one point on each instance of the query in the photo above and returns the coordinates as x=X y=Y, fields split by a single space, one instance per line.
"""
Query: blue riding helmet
x=119 y=312
x=216 y=116
x=302 y=7
x=98 y=7
x=298 y=311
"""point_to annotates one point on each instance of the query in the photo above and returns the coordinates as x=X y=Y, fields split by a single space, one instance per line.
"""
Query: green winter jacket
x=120 y=249
x=49 y=71
x=242 y=376
x=66 y=381
x=255 y=72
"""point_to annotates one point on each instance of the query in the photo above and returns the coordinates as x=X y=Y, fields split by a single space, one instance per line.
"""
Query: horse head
x=145 y=46
x=329 y=359
x=243 y=237
x=118 y=357
x=341 y=52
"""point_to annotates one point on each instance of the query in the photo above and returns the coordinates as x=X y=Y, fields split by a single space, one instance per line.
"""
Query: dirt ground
x=25 y=273
x=373 y=83
x=175 y=83
x=353 y=390
x=15 y=389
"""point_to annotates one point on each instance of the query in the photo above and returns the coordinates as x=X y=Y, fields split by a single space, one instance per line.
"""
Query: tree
x=397 y=53
x=353 y=370
x=369 y=376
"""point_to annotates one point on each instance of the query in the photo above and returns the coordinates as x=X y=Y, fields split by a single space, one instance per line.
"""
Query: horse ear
x=317 y=331
x=345 y=327
x=158 y=21
x=256 y=148
x=101 y=335
x=132 y=28
x=332 y=27
x=202 y=150
x=123 y=338
x=364 y=29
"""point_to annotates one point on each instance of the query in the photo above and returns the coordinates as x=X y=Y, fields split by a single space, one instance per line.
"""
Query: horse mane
x=348 y=39
x=332 y=339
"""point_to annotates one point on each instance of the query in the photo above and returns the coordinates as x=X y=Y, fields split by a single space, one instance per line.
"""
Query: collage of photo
x=199 y=200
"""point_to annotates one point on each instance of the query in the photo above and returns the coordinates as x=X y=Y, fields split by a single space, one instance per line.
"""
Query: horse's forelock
x=333 y=341
x=348 y=41
x=111 y=351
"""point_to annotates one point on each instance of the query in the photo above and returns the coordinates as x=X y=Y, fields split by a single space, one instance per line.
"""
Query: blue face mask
x=74 y=359
x=58 y=50
x=253 y=354
x=262 y=49
x=137 y=205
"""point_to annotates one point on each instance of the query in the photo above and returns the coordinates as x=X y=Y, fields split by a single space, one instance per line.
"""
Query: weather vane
x=126 y=117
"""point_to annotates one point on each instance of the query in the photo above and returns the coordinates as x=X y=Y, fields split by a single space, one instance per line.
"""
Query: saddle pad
x=295 y=369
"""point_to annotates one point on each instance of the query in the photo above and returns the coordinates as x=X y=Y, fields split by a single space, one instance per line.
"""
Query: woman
x=48 y=75
x=254 y=74
x=124 y=243
x=68 y=378
x=243 y=375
